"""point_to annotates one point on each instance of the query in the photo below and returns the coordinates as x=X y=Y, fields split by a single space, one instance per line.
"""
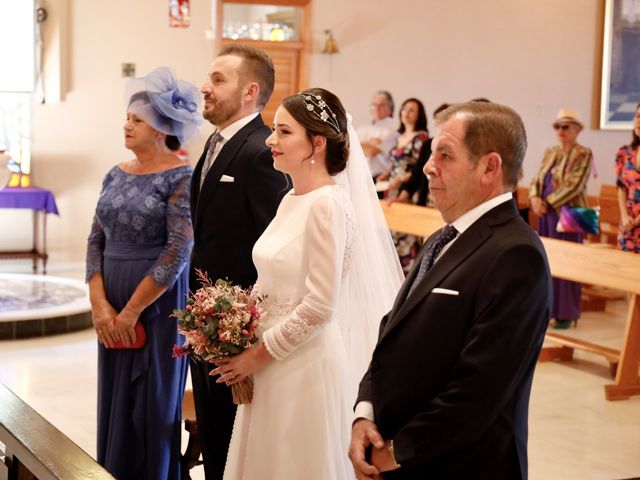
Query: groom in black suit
x=447 y=391
x=235 y=193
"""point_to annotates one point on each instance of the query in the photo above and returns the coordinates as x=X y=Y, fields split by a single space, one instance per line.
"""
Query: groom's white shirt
x=230 y=131
x=364 y=409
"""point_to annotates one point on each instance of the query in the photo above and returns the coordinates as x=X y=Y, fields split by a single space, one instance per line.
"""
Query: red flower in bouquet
x=220 y=320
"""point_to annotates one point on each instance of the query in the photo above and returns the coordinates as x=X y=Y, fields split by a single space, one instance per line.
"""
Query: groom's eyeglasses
x=564 y=127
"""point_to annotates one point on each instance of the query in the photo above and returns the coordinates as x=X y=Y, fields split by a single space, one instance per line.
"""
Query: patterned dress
x=404 y=161
x=628 y=179
x=141 y=227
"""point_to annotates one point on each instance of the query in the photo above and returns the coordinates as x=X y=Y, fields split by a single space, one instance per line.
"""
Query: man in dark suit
x=235 y=193
x=447 y=391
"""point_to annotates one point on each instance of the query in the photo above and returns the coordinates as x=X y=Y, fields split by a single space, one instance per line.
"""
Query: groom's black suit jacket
x=451 y=375
x=228 y=217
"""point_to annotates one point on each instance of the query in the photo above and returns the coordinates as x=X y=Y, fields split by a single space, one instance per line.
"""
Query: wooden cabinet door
x=286 y=63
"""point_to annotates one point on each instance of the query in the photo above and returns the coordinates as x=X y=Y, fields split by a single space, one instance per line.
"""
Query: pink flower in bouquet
x=255 y=312
x=179 y=351
x=224 y=335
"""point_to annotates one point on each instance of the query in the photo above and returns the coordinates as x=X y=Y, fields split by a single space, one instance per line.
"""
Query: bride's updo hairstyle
x=320 y=112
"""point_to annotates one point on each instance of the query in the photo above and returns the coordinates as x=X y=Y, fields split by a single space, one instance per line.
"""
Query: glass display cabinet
x=279 y=27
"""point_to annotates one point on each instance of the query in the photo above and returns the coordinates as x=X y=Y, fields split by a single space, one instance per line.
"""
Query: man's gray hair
x=491 y=127
x=388 y=98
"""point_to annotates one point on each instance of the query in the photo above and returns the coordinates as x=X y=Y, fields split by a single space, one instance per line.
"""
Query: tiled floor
x=574 y=432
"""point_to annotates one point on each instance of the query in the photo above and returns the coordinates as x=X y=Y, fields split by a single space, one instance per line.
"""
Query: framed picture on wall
x=179 y=13
x=620 y=91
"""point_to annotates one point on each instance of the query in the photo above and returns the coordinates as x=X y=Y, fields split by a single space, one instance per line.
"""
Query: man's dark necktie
x=443 y=237
x=208 y=159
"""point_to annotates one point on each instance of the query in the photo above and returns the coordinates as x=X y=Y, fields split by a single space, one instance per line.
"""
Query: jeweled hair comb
x=316 y=105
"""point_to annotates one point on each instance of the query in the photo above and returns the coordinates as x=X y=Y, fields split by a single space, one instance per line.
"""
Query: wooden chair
x=191 y=456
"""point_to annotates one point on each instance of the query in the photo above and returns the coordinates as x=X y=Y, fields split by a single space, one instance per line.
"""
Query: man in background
x=378 y=137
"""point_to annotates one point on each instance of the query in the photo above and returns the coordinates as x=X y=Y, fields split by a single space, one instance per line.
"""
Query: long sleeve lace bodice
x=144 y=210
x=306 y=252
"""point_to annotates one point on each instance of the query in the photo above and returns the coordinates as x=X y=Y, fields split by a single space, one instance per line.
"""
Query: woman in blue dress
x=138 y=248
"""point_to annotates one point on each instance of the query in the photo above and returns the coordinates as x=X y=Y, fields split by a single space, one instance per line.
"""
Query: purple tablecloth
x=30 y=197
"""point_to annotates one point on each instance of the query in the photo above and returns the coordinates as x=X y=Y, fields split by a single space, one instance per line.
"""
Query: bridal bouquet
x=220 y=320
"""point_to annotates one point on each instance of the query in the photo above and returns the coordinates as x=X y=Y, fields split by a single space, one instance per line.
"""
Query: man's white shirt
x=230 y=131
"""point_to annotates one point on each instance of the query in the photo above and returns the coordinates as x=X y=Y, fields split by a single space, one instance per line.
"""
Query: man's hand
x=384 y=458
x=363 y=434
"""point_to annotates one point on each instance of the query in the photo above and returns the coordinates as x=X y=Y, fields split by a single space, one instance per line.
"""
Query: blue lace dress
x=142 y=226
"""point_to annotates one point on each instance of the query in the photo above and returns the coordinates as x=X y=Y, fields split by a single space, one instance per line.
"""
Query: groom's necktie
x=444 y=236
x=208 y=159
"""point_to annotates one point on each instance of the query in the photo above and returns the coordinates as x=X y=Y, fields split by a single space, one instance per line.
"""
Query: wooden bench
x=568 y=344
x=609 y=214
x=412 y=219
x=33 y=449
x=595 y=298
x=608 y=268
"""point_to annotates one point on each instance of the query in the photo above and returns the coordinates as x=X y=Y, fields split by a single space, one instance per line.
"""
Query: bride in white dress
x=329 y=270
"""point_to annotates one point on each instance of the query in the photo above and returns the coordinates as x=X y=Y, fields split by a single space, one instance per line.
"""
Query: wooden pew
x=609 y=214
x=595 y=298
x=610 y=269
x=522 y=200
x=412 y=219
x=35 y=449
x=607 y=268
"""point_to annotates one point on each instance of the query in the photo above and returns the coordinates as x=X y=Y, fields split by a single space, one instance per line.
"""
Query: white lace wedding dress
x=299 y=422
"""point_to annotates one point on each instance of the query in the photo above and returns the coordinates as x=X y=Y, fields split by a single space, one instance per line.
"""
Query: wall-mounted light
x=330 y=46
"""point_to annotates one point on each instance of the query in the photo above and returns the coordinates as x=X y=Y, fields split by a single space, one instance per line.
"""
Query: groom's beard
x=223 y=110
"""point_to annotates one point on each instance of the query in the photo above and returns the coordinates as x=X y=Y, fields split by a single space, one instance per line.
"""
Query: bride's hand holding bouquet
x=237 y=368
x=220 y=325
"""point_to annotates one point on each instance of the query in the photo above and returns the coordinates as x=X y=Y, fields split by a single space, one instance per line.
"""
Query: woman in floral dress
x=413 y=134
x=628 y=182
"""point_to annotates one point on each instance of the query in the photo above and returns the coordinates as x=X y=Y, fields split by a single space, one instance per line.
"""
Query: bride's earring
x=313 y=161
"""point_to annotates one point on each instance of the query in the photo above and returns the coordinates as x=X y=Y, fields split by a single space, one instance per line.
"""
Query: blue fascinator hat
x=169 y=105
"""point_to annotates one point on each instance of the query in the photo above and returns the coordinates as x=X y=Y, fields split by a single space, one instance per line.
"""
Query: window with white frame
x=17 y=80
